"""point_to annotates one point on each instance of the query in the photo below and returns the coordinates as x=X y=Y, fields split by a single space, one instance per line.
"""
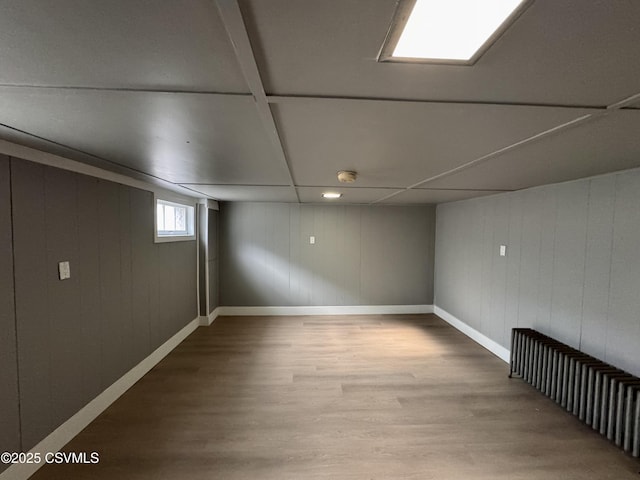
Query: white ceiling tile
x=607 y=144
x=182 y=138
x=396 y=144
x=156 y=44
x=570 y=53
x=573 y=52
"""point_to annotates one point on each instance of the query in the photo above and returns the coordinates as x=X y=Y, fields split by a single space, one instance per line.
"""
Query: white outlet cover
x=64 y=270
x=312 y=240
x=503 y=250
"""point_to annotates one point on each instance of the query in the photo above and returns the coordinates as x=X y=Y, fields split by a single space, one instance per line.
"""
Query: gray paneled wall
x=208 y=259
x=572 y=268
x=363 y=255
x=9 y=415
x=126 y=295
x=212 y=259
x=203 y=219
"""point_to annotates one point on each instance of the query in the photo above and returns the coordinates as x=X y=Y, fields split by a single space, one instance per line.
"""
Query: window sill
x=186 y=238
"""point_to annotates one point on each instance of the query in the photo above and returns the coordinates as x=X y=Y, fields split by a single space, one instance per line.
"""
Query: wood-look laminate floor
x=354 y=397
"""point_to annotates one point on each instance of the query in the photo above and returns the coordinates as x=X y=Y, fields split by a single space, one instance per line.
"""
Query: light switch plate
x=64 y=270
x=503 y=250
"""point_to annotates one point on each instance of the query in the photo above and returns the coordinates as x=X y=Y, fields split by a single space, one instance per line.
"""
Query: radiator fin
x=601 y=395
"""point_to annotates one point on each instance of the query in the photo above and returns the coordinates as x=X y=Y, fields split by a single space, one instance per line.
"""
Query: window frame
x=191 y=219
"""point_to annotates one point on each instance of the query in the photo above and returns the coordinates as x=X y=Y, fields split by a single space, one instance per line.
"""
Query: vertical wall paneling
x=203 y=286
x=316 y=253
x=87 y=269
x=394 y=257
x=349 y=264
x=111 y=321
x=32 y=314
x=188 y=295
x=295 y=251
x=572 y=264
x=442 y=251
x=274 y=251
x=499 y=227
x=166 y=283
x=63 y=308
x=179 y=290
x=207 y=259
x=230 y=282
x=323 y=288
x=486 y=256
x=623 y=328
x=306 y=267
x=548 y=223
x=9 y=413
x=142 y=224
x=569 y=262
x=513 y=259
x=429 y=246
x=598 y=264
x=361 y=256
x=155 y=308
x=376 y=263
x=474 y=263
x=125 y=280
x=75 y=337
x=212 y=259
x=529 y=258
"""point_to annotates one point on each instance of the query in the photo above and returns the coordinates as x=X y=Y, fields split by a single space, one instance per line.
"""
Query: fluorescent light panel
x=452 y=29
x=331 y=195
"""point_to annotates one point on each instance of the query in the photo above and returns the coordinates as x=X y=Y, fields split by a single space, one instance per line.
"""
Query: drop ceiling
x=254 y=100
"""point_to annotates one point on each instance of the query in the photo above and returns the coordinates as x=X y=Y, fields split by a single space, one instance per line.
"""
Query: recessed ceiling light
x=331 y=195
x=448 y=31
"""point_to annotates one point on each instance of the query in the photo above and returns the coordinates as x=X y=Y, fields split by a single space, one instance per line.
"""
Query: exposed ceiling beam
x=237 y=31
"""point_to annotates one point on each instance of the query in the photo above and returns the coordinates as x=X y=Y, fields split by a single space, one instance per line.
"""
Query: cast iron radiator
x=601 y=395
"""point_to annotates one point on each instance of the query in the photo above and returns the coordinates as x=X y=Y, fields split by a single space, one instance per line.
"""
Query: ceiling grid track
x=234 y=23
x=292 y=99
x=125 y=90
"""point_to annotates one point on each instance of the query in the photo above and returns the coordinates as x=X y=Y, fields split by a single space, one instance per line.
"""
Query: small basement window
x=174 y=221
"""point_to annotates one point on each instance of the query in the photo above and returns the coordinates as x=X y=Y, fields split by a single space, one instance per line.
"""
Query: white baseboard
x=495 y=348
x=326 y=310
x=69 y=429
x=206 y=321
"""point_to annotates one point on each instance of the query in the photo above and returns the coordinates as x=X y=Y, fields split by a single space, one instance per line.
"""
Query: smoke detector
x=346 y=176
